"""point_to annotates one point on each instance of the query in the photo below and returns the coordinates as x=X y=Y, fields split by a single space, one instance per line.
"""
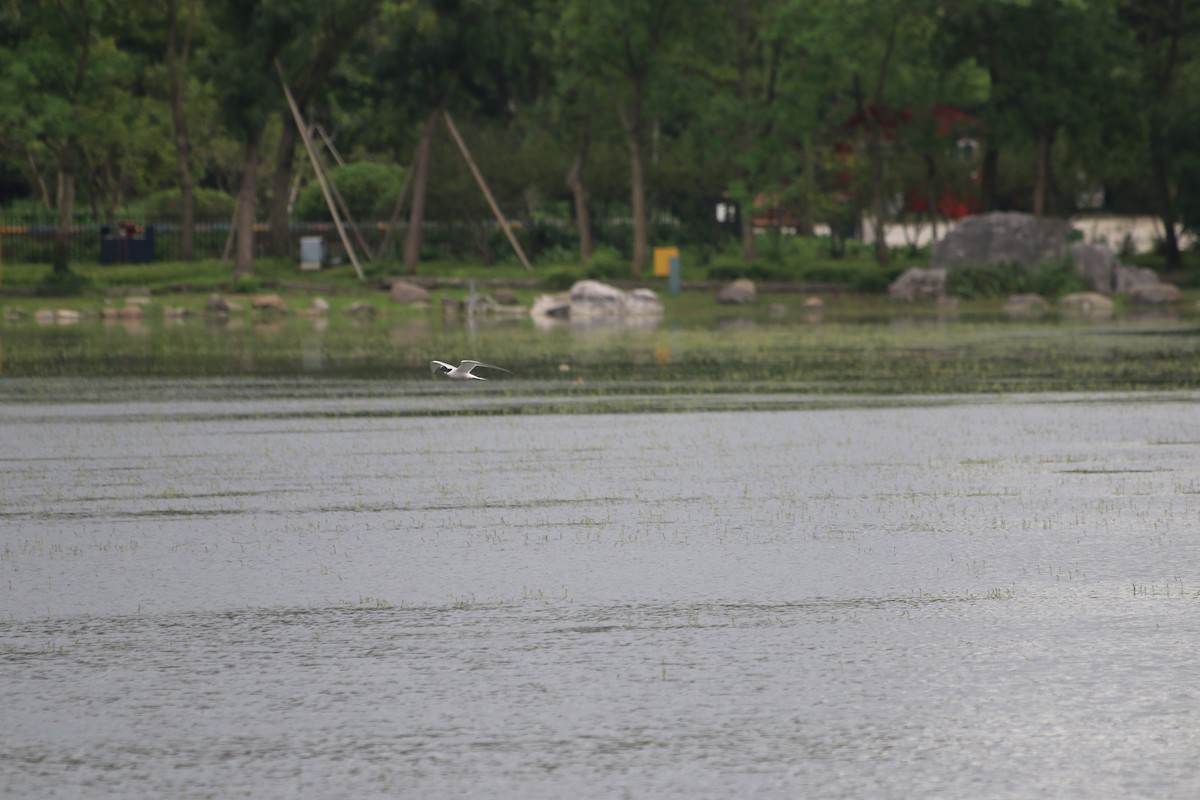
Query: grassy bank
x=795 y=260
x=187 y=285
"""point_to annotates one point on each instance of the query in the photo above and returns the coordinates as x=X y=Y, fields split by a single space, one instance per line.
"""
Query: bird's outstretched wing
x=468 y=366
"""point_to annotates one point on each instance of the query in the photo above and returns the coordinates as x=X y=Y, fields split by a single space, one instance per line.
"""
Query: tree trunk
x=746 y=223
x=66 y=211
x=41 y=182
x=931 y=197
x=641 y=244
x=583 y=221
x=633 y=124
x=807 y=222
x=1162 y=195
x=177 y=60
x=1041 y=177
x=878 y=198
x=281 y=191
x=875 y=147
x=746 y=37
x=416 y=214
x=746 y=220
x=987 y=179
x=247 y=197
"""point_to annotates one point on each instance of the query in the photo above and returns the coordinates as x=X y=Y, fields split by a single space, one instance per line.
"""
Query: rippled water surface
x=275 y=590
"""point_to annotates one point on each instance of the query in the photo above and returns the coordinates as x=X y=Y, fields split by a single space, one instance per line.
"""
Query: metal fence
x=128 y=240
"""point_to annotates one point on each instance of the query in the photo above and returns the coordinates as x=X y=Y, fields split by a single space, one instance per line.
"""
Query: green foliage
x=607 y=264
x=1055 y=279
x=168 y=205
x=544 y=242
x=246 y=284
x=987 y=281
x=1052 y=279
x=1188 y=197
x=62 y=283
x=747 y=103
x=252 y=34
x=755 y=271
x=563 y=254
x=560 y=280
x=861 y=275
x=370 y=190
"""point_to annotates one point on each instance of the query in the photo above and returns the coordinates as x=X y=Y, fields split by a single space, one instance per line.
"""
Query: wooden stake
x=462 y=146
x=316 y=164
x=329 y=146
x=341 y=201
x=337 y=193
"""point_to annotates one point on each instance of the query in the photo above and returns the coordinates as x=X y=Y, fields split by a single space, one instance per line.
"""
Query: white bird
x=463 y=371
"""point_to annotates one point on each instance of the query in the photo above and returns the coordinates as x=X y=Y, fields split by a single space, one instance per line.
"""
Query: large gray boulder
x=217 y=304
x=557 y=306
x=268 y=302
x=596 y=299
x=1143 y=286
x=740 y=292
x=1097 y=265
x=410 y=293
x=506 y=297
x=1128 y=279
x=643 y=302
x=1025 y=305
x=919 y=284
x=593 y=299
x=1155 y=294
x=1002 y=237
x=1092 y=304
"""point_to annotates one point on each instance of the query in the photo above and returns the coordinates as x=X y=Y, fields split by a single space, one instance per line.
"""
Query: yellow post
x=662 y=260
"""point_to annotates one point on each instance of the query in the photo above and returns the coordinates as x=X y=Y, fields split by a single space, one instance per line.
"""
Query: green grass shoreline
x=854 y=344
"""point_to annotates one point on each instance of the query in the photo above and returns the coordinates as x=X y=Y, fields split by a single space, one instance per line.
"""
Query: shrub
x=989 y=281
x=607 y=264
x=874 y=281
x=560 y=280
x=369 y=189
x=168 y=204
x=1055 y=278
x=62 y=284
x=559 y=255
x=755 y=271
x=246 y=284
x=1052 y=279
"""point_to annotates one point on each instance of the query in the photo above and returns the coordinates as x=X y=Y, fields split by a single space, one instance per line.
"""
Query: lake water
x=289 y=589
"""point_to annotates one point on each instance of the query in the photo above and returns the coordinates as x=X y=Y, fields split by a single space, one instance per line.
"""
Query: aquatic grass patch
x=390 y=356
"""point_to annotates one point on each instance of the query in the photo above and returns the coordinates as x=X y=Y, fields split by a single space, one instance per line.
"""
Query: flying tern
x=463 y=371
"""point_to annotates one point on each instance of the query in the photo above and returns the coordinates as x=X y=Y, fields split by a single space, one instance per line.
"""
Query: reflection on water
x=628 y=322
x=296 y=588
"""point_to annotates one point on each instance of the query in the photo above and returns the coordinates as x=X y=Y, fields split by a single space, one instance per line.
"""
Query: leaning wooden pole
x=329 y=146
x=337 y=193
x=462 y=146
x=316 y=165
x=341 y=201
